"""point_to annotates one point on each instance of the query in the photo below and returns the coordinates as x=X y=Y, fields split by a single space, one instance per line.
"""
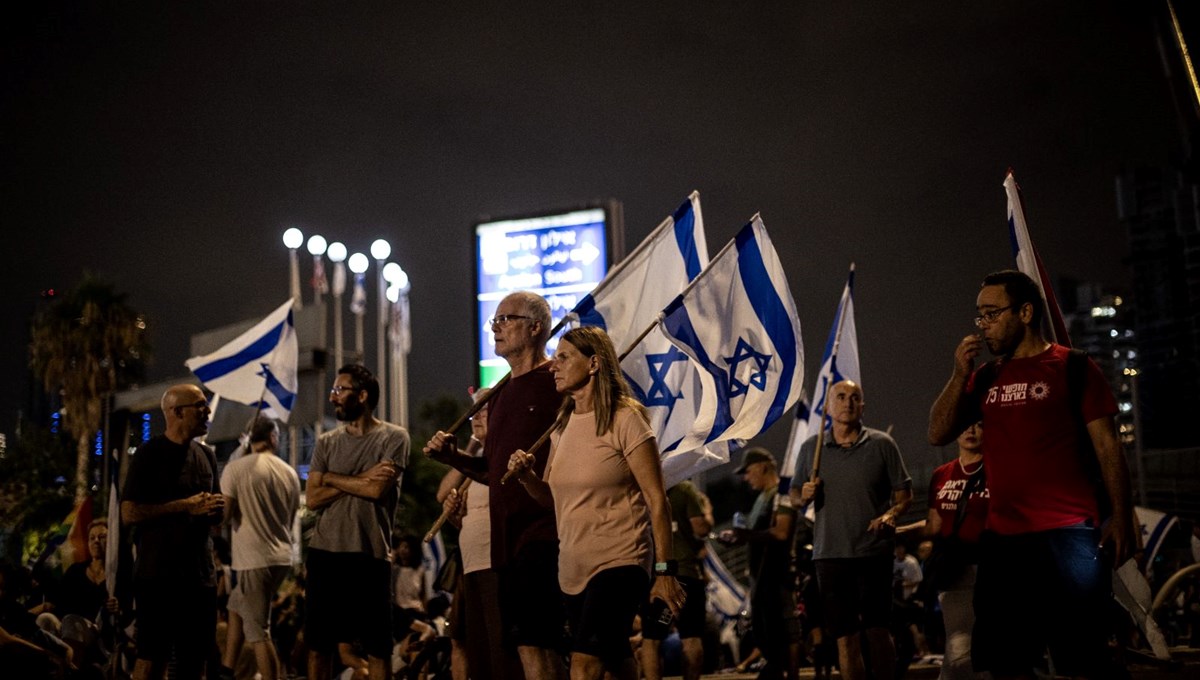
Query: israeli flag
x=738 y=324
x=628 y=302
x=257 y=368
x=1054 y=328
x=834 y=369
x=726 y=596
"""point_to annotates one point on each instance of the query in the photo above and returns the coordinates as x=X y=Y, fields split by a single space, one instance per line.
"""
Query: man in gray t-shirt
x=354 y=482
x=860 y=489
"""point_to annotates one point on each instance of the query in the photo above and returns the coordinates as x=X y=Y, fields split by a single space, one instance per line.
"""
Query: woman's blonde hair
x=610 y=392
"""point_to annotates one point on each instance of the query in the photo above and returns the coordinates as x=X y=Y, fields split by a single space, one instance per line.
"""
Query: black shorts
x=530 y=601
x=856 y=593
x=170 y=615
x=348 y=599
x=601 y=617
x=691 y=620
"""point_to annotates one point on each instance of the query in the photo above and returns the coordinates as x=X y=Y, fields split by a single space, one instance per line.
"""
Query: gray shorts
x=251 y=599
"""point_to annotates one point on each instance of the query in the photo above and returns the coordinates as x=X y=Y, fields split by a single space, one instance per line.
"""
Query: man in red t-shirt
x=1045 y=566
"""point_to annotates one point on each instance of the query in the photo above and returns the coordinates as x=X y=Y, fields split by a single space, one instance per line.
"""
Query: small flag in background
x=1054 y=328
x=738 y=324
x=258 y=365
x=358 y=299
x=834 y=369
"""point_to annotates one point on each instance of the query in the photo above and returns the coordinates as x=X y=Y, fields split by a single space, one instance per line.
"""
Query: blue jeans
x=1049 y=589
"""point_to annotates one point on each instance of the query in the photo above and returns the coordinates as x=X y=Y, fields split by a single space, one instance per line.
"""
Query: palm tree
x=85 y=346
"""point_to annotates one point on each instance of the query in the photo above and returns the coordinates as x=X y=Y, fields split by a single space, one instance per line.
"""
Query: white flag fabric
x=112 y=554
x=738 y=324
x=258 y=365
x=833 y=370
x=1054 y=328
x=628 y=302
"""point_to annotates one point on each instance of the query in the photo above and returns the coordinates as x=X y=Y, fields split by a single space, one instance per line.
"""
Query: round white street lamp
x=336 y=252
x=293 y=238
x=316 y=245
x=358 y=263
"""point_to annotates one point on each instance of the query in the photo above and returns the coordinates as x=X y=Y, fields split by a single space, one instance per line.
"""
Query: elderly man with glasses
x=1059 y=511
x=524 y=536
x=171 y=498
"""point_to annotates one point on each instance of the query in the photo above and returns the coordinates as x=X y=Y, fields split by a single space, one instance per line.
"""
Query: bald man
x=171 y=499
x=862 y=487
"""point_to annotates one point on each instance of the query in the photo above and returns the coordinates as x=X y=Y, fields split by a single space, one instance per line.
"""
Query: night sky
x=167 y=146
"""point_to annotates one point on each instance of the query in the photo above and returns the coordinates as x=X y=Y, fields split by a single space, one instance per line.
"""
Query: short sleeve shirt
x=946 y=488
x=603 y=519
x=857 y=486
x=1034 y=464
x=351 y=524
x=176 y=546
x=686 y=548
x=267 y=491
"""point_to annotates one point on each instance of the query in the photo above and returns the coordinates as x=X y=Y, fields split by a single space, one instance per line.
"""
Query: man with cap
x=769 y=531
x=860 y=490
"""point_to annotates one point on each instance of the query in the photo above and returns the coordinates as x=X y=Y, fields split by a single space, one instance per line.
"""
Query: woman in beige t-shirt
x=604 y=480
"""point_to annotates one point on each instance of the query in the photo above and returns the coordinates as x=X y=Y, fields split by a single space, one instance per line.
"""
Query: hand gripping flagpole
x=641 y=336
x=837 y=341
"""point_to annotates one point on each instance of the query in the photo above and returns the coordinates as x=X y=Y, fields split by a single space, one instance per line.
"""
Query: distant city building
x=1101 y=322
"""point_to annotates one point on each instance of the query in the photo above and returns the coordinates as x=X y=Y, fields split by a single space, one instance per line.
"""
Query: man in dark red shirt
x=524 y=535
x=1045 y=567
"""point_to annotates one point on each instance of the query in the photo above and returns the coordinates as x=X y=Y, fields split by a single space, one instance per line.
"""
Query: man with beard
x=171 y=499
x=1052 y=448
x=354 y=482
x=524 y=535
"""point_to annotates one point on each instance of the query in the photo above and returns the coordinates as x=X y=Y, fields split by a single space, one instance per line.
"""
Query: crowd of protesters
x=576 y=559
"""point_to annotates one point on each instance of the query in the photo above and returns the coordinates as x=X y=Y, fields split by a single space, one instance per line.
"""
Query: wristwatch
x=668 y=568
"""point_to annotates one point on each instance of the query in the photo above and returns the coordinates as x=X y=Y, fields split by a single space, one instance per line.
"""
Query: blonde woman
x=604 y=481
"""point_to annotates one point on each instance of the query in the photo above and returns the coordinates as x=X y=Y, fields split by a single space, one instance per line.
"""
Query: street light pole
x=358 y=301
x=400 y=334
x=293 y=239
x=337 y=255
x=380 y=250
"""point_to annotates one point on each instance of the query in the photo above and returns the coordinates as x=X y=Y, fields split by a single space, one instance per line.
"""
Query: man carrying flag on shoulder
x=1052 y=448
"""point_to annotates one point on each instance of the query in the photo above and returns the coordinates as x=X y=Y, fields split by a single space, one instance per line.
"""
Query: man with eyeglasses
x=354 y=483
x=524 y=536
x=172 y=500
x=1053 y=461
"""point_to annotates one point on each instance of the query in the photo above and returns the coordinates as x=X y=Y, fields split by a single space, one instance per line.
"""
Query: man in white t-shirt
x=263 y=494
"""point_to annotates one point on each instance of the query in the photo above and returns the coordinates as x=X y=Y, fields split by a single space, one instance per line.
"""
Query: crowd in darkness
x=575 y=559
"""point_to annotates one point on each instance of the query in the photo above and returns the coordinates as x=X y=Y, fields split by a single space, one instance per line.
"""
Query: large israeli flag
x=257 y=366
x=738 y=324
x=1054 y=328
x=628 y=302
x=834 y=369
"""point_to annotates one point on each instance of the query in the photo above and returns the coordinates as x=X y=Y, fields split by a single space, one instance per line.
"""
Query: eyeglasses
x=503 y=319
x=990 y=316
x=339 y=389
x=198 y=405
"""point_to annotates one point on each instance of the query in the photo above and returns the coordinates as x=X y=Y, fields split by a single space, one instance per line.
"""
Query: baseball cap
x=754 y=454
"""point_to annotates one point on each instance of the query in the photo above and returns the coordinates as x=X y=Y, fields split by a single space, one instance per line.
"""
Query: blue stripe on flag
x=257 y=349
x=685 y=233
x=588 y=314
x=771 y=313
x=285 y=396
x=679 y=326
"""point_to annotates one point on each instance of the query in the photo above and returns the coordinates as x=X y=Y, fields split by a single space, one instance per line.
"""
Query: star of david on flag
x=738 y=325
x=258 y=365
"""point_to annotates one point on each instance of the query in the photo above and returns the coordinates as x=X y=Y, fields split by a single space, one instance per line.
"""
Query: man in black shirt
x=171 y=499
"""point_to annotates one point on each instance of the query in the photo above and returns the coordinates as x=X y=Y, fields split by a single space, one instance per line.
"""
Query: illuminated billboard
x=560 y=256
